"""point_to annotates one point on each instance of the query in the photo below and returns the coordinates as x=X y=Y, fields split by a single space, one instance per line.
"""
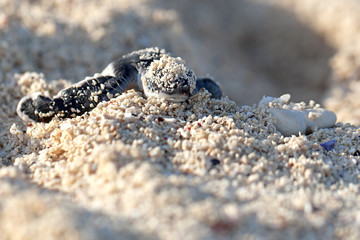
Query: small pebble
x=160 y=119
x=214 y=161
x=289 y=122
x=328 y=145
x=294 y=121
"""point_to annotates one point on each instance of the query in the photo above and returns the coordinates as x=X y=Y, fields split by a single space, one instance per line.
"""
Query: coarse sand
x=143 y=168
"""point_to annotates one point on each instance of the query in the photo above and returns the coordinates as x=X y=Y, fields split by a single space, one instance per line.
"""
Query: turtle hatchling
x=151 y=70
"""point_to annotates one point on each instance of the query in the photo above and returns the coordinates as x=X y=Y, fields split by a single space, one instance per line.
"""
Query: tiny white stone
x=289 y=122
x=319 y=118
x=292 y=122
x=130 y=117
x=170 y=120
x=282 y=99
x=298 y=120
x=109 y=95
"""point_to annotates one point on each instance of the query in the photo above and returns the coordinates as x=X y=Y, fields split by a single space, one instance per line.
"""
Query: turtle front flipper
x=78 y=98
x=35 y=107
x=69 y=102
x=210 y=85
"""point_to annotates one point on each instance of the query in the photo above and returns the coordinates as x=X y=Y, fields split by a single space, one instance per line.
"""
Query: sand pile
x=138 y=167
x=204 y=168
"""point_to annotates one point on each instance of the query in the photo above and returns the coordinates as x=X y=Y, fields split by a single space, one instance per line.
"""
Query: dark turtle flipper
x=210 y=85
x=35 y=107
x=86 y=95
x=78 y=98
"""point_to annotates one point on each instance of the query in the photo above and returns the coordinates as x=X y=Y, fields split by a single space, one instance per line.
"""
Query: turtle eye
x=185 y=89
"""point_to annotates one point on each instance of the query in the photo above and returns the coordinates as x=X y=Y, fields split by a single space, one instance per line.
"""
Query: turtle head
x=170 y=79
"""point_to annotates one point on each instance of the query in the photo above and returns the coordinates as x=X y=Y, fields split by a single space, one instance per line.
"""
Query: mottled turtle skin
x=125 y=73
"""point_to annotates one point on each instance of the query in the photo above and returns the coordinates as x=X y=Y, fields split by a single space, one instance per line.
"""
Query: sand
x=142 y=168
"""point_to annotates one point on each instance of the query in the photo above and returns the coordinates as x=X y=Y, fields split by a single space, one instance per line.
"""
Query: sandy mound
x=138 y=167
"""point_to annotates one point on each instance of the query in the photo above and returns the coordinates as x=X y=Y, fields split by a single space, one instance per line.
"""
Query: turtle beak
x=181 y=95
x=177 y=99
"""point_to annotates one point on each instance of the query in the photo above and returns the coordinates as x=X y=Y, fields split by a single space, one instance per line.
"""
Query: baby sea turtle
x=151 y=70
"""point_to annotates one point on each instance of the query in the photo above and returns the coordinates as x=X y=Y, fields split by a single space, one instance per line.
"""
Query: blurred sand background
x=308 y=48
x=253 y=48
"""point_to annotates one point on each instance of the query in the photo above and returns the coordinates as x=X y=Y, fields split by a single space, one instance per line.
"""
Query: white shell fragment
x=296 y=120
x=282 y=99
x=289 y=122
x=319 y=118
